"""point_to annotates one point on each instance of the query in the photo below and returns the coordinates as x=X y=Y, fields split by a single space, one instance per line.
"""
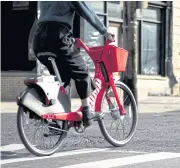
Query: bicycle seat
x=40 y=78
x=46 y=54
x=29 y=81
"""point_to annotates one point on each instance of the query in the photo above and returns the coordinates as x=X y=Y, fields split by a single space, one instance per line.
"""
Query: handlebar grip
x=111 y=38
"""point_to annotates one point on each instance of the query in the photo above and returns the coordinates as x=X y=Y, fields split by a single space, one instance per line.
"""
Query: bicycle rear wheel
x=41 y=137
x=113 y=124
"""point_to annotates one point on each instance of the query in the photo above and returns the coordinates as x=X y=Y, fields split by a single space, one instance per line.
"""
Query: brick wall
x=176 y=44
x=12 y=83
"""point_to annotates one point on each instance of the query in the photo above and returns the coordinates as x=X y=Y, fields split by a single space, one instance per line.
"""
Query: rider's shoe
x=88 y=116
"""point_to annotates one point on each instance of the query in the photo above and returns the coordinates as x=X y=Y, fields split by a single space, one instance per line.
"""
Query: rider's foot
x=88 y=116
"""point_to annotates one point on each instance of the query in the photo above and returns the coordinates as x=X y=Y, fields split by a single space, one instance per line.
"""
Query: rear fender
x=32 y=100
x=56 y=93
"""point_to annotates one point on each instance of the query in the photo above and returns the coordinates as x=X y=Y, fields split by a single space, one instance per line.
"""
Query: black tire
x=102 y=126
x=30 y=147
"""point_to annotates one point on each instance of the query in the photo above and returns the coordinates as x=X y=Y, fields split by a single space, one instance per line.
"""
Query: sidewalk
x=158 y=104
x=152 y=104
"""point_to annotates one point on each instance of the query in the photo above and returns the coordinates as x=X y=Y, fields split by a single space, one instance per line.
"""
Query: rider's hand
x=109 y=36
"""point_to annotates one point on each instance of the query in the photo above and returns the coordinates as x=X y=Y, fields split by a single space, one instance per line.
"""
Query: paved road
x=155 y=144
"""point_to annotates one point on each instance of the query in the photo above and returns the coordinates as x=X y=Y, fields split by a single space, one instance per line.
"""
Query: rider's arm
x=89 y=15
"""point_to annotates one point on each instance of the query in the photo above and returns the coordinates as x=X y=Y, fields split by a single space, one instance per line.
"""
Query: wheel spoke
x=119 y=128
x=37 y=135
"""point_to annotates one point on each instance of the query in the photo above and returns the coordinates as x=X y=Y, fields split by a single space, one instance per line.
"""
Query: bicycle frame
x=103 y=79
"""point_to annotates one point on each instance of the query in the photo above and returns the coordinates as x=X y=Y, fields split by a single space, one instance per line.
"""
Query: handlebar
x=110 y=37
x=79 y=44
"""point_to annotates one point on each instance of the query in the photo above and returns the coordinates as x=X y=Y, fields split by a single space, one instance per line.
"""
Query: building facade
x=158 y=44
x=176 y=45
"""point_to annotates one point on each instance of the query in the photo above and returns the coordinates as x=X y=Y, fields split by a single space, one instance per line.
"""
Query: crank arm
x=48 y=135
x=57 y=129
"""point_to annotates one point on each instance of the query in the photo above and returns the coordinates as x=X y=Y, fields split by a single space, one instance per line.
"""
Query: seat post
x=55 y=70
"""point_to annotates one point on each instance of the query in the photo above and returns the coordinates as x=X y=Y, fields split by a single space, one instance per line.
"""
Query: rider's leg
x=52 y=37
x=79 y=73
x=85 y=102
x=46 y=40
x=83 y=82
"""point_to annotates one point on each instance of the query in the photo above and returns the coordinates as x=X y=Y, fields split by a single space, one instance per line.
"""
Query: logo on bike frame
x=92 y=98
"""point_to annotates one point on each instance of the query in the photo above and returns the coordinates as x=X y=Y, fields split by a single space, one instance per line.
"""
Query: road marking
x=15 y=147
x=126 y=160
x=125 y=151
x=8 y=111
x=68 y=153
x=12 y=147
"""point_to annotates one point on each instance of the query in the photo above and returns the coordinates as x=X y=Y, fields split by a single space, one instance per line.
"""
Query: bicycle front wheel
x=118 y=130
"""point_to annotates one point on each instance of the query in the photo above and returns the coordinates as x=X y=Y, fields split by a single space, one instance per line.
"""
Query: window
x=90 y=35
x=152 y=43
x=20 y=5
x=150 y=50
x=151 y=36
x=151 y=14
x=114 y=9
x=115 y=18
x=92 y=38
x=110 y=14
x=97 y=6
x=116 y=29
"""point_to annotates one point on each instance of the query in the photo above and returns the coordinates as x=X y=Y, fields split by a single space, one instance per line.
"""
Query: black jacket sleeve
x=89 y=15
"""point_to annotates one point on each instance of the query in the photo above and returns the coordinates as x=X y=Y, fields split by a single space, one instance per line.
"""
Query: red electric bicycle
x=44 y=114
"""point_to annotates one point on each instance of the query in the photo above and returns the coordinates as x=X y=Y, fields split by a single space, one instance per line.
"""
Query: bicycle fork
x=121 y=108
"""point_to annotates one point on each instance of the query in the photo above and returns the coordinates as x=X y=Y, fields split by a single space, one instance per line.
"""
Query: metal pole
x=129 y=39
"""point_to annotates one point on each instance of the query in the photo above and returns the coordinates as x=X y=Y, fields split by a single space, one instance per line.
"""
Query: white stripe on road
x=126 y=151
x=126 y=160
x=12 y=147
x=8 y=111
x=68 y=153
x=15 y=147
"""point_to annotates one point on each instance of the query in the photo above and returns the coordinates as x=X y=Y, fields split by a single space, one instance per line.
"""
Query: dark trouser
x=55 y=38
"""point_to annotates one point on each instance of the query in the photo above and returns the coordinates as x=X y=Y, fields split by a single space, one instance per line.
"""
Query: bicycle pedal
x=79 y=128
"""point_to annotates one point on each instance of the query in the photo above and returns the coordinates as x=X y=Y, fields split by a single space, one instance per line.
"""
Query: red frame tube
x=97 y=54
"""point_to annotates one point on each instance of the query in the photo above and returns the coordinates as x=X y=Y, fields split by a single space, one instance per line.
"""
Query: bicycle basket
x=117 y=59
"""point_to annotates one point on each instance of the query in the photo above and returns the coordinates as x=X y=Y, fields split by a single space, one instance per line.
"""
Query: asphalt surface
x=155 y=144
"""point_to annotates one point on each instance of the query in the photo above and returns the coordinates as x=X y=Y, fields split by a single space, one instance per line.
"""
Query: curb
x=151 y=104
